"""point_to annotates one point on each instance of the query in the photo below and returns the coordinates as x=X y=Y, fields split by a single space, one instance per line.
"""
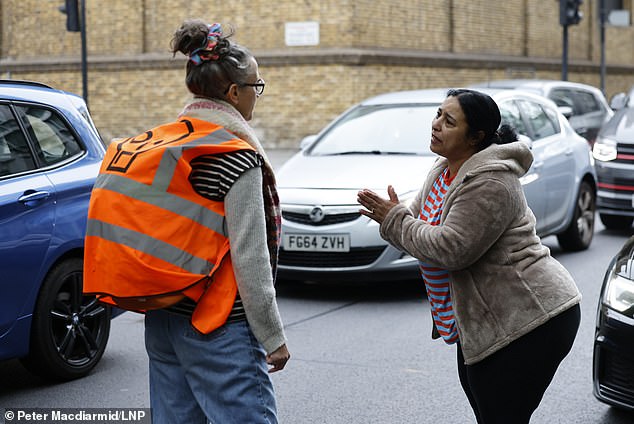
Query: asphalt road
x=360 y=354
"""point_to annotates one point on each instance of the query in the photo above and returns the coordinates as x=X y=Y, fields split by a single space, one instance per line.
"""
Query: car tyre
x=616 y=222
x=69 y=331
x=579 y=233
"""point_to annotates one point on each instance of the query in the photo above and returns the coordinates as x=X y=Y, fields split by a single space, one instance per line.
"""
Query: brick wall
x=366 y=47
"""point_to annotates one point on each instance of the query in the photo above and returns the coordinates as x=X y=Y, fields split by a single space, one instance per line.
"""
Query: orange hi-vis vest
x=151 y=239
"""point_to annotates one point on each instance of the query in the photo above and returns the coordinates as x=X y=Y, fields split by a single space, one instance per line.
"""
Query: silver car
x=385 y=140
x=583 y=105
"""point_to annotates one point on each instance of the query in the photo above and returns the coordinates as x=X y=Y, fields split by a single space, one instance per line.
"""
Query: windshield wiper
x=356 y=152
x=369 y=152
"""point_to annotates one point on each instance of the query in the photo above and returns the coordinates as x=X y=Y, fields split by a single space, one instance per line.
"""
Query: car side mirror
x=618 y=101
x=526 y=140
x=566 y=111
x=307 y=141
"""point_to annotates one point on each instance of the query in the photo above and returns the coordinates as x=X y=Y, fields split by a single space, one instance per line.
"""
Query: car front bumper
x=369 y=257
x=615 y=194
x=613 y=368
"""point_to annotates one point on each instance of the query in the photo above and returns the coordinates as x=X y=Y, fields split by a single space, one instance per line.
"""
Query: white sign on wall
x=301 y=33
x=619 y=18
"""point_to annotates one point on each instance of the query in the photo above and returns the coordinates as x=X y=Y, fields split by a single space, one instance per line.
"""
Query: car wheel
x=579 y=233
x=616 y=222
x=69 y=331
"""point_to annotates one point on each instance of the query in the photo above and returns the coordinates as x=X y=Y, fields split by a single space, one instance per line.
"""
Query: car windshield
x=383 y=129
x=621 y=125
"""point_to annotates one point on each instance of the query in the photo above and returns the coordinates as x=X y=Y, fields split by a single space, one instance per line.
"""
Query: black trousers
x=507 y=386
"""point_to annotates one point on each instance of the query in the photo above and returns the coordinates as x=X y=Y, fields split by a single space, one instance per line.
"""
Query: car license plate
x=317 y=242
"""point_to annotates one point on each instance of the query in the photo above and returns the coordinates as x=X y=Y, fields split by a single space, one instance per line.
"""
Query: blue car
x=50 y=152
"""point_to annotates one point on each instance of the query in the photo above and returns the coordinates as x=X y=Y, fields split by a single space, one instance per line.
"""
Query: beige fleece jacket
x=503 y=281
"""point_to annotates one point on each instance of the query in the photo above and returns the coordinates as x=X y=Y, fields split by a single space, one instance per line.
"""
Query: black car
x=613 y=370
x=614 y=163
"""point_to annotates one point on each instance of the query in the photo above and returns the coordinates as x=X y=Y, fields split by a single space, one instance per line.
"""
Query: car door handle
x=33 y=196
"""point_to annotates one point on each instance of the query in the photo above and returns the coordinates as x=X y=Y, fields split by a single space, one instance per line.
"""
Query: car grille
x=625 y=184
x=303 y=218
x=625 y=153
x=357 y=256
x=618 y=377
x=619 y=206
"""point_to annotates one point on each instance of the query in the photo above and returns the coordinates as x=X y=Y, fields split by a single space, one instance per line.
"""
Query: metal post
x=84 y=64
x=602 y=19
x=564 y=55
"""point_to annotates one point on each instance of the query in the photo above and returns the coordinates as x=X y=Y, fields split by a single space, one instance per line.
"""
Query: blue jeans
x=221 y=377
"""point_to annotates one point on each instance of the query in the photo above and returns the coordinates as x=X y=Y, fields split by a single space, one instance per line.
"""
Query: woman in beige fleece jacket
x=494 y=289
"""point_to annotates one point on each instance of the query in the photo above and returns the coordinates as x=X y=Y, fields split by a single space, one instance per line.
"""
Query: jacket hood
x=515 y=157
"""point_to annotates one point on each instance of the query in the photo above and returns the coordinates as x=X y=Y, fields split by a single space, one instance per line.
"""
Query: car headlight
x=619 y=294
x=604 y=149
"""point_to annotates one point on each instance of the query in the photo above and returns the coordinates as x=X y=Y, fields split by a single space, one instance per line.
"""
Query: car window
x=15 y=155
x=587 y=103
x=53 y=138
x=511 y=116
x=563 y=97
x=385 y=129
x=540 y=122
x=553 y=116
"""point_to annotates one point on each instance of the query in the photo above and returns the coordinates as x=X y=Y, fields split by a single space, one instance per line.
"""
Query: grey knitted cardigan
x=246 y=227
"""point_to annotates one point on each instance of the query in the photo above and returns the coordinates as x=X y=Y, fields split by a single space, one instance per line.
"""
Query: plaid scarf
x=222 y=113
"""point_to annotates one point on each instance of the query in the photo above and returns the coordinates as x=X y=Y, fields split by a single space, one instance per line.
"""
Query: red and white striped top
x=437 y=279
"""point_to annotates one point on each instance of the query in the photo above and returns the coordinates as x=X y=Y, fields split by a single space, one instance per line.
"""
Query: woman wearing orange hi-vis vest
x=184 y=225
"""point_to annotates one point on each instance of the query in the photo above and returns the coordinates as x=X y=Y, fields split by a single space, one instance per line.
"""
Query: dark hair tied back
x=505 y=134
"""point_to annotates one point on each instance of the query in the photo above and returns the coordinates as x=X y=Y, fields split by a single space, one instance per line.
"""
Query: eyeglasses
x=258 y=85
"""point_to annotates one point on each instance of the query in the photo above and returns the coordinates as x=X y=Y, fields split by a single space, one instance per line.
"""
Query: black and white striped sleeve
x=213 y=175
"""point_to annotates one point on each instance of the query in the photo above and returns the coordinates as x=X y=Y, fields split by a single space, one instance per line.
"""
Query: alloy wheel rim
x=77 y=322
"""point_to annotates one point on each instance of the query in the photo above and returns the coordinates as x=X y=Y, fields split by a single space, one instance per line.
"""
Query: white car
x=385 y=140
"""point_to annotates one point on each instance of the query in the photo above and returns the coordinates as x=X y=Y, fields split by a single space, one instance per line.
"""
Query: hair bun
x=201 y=42
x=208 y=50
x=506 y=134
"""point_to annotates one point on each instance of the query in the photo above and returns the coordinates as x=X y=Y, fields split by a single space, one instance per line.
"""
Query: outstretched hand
x=376 y=207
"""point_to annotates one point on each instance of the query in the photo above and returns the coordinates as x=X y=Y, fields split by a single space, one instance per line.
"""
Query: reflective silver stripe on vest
x=149 y=245
x=156 y=194
x=172 y=155
x=163 y=200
